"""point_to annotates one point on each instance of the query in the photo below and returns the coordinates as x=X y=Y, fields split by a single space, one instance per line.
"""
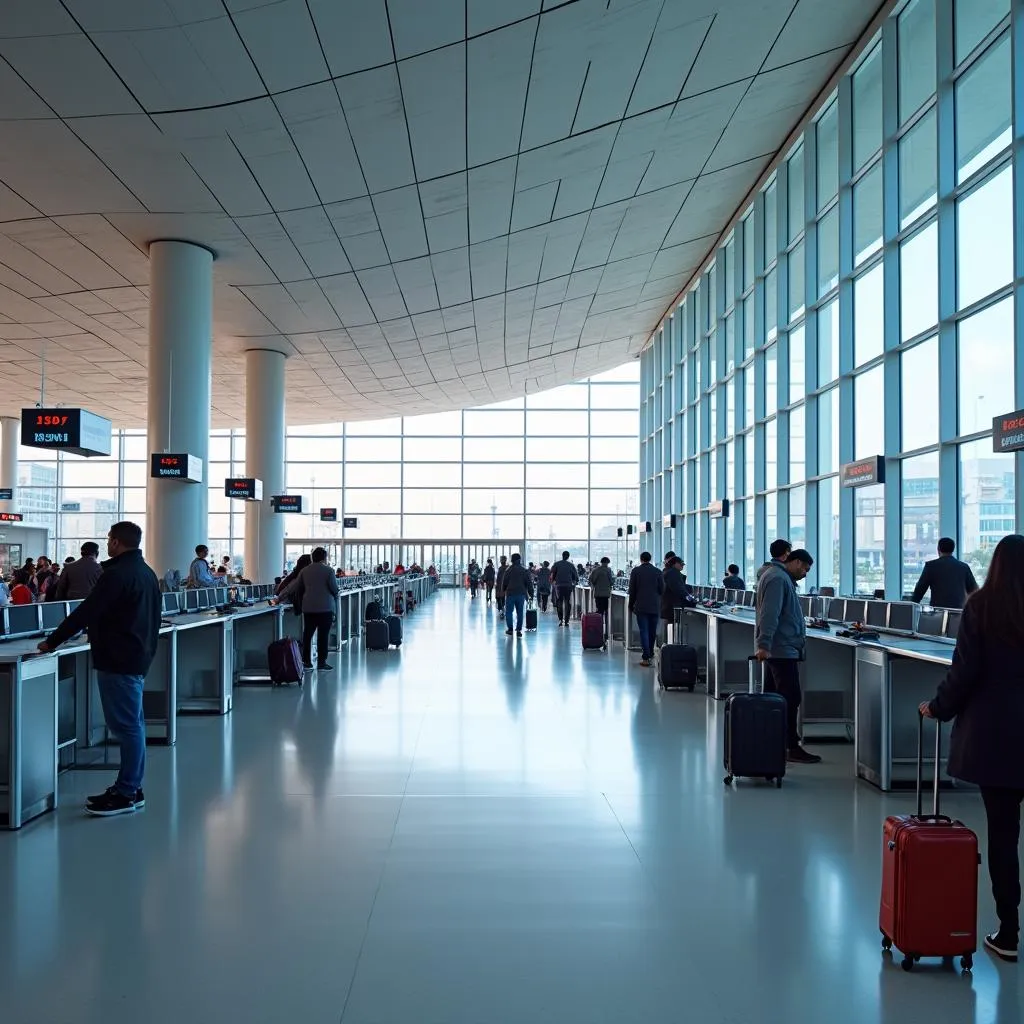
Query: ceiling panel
x=422 y=205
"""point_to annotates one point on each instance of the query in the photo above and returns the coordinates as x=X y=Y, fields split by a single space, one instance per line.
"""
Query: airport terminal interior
x=431 y=282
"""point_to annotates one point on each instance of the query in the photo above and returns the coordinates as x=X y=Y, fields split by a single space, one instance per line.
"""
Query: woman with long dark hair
x=984 y=692
x=301 y=564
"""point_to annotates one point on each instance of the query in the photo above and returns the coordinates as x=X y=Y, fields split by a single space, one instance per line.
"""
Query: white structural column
x=264 y=459
x=10 y=439
x=180 y=354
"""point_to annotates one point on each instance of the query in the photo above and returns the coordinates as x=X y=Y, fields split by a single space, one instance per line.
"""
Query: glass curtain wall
x=863 y=304
x=557 y=469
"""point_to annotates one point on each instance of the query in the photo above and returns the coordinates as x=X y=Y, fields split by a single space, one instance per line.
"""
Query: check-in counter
x=205 y=650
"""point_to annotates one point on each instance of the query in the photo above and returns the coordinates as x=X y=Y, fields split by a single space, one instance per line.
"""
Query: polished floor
x=472 y=830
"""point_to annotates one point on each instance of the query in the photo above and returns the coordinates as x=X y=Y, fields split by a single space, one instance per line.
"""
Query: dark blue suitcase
x=377 y=636
x=394 y=630
x=755 y=737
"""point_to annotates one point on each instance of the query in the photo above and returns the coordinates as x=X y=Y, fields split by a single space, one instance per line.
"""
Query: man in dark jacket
x=79 y=577
x=674 y=594
x=564 y=578
x=646 y=585
x=489 y=577
x=518 y=585
x=122 y=615
x=733 y=580
x=950 y=580
x=781 y=637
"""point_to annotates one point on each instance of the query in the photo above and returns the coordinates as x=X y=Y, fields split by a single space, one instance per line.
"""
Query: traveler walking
x=489 y=575
x=122 y=615
x=564 y=578
x=517 y=586
x=984 y=691
x=80 y=576
x=646 y=585
x=544 y=585
x=316 y=591
x=499 y=591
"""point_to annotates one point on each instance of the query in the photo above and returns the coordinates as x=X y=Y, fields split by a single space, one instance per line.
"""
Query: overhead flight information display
x=69 y=430
x=247 y=487
x=176 y=466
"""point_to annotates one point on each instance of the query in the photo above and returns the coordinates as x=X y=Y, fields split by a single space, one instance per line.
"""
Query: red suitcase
x=592 y=627
x=929 y=904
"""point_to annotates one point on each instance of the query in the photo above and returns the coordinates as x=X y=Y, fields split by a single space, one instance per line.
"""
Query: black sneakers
x=508 y=632
x=519 y=632
x=1003 y=944
x=325 y=667
x=113 y=803
x=800 y=756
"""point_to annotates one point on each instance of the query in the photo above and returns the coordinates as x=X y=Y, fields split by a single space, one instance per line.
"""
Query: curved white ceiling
x=428 y=204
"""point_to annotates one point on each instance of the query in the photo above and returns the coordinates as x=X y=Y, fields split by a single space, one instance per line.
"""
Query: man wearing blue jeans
x=122 y=615
x=646 y=585
x=517 y=584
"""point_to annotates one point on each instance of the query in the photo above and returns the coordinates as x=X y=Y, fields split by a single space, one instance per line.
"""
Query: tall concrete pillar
x=10 y=439
x=178 y=415
x=264 y=459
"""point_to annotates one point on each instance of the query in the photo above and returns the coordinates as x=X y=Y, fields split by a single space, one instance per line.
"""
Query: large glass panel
x=610 y=396
x=496 y=500
x=771 y=455
x=827 y=562
x=797 y=445
x=983 y=109
x=828 y=342
x=771 y=305
x=796 y=282
x=771 y=380
x=985 y=366
x=486 y=423
x=985 y=239
x=797 y=363
x=374 y=428
x=796 y=193
x=828 y=155
x=869 y=324
x=919 y=395
x=387 y=474
x=974 y=19
x=869 y=414
x=559 y=474
x=916 y=50
x=748 y=326
x=501 y=526
x=545 y=423
x=771 y=235
x=986 y=503
x=828 y=251
x=420 y=474
x=748 y=251
x=426 y=449
x=571 y=396
x=869 y=533
x=373 y=449
x=797 y=532
x=919 y=517
x=919 y=282
x=918 y=169
x=509 y=449
x=828 y=431
x=749 y=479
x=867 y=108
x=430 y=527
x=444 y=501
x=446 y=424
x=867 y=215
x=557 y=501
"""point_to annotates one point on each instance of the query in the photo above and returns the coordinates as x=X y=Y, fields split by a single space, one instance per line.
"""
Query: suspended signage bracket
x=68 y=430
x=719 y=509
x=350 y=523
x=176 y=466
x=1008 y=432
x=669 y=521
x=863 y=472
x=246 y=487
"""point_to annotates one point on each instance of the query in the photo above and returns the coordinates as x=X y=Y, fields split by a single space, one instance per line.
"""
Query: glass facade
x=556 y=469
x=863 y=304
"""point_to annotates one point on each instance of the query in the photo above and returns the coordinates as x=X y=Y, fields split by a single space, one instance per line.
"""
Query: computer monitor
x=837 y=609
x=878 y=614
x=748 y=598
x=191 y=600
x=901 y=616
x=856 y=610
x=952 y=623
x=22 y=619
x=205 y=598
x=931 y=622
x=805 y=604
x=170 y=603
x=54 y=613
x=827 y=591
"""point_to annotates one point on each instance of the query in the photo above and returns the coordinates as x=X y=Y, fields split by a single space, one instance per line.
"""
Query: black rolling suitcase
x=755 y=734
x=394 y=630
x=377 y=636
x=677 y=667
x=530 y=619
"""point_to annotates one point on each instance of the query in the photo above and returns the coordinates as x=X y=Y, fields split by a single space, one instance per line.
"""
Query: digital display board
x=286 y=502
x=6 y=493
x=11 y=517
x=176 y=466
x=70 y=430
x=863 y=472
x=719 y=509
x=1008 y=432
x=247 y=487
x=350 y=523
x=328 y=515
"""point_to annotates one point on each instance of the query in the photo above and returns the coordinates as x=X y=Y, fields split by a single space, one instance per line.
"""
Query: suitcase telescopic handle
x=920 y=770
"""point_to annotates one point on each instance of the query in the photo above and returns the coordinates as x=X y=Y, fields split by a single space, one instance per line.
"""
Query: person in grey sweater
x=317 y=589
x=646 y=585
x=564 y=578
x=79 y=577
x=780 y=639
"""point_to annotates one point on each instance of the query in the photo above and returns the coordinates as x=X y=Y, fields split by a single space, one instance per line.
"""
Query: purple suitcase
x=285 y=660
x=592 y=624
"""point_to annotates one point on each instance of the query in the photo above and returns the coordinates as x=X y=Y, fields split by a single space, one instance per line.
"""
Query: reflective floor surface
x=472 y=830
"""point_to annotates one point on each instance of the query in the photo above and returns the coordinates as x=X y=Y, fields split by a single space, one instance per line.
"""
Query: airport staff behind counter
x=950 y=580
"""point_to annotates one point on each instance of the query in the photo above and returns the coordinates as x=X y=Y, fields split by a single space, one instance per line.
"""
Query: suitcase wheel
x=728 y=780
x=886 y=943
x=967 y=962
x=907 y=963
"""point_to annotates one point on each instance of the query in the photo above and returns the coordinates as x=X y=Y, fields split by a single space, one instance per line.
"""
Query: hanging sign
x=247 y=487
x=6 y=493
x=350 y=523
x=69 y=430
x=286 y=502
x=176 y=466
x=863 y=472
x=1008 y=432
x=328 y=515
x=11 y=517
x=719 y=509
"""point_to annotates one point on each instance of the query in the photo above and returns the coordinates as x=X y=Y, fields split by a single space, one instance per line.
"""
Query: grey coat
x=78 y=579
x=315 y=587
x=601 y=581
x=780 y=628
